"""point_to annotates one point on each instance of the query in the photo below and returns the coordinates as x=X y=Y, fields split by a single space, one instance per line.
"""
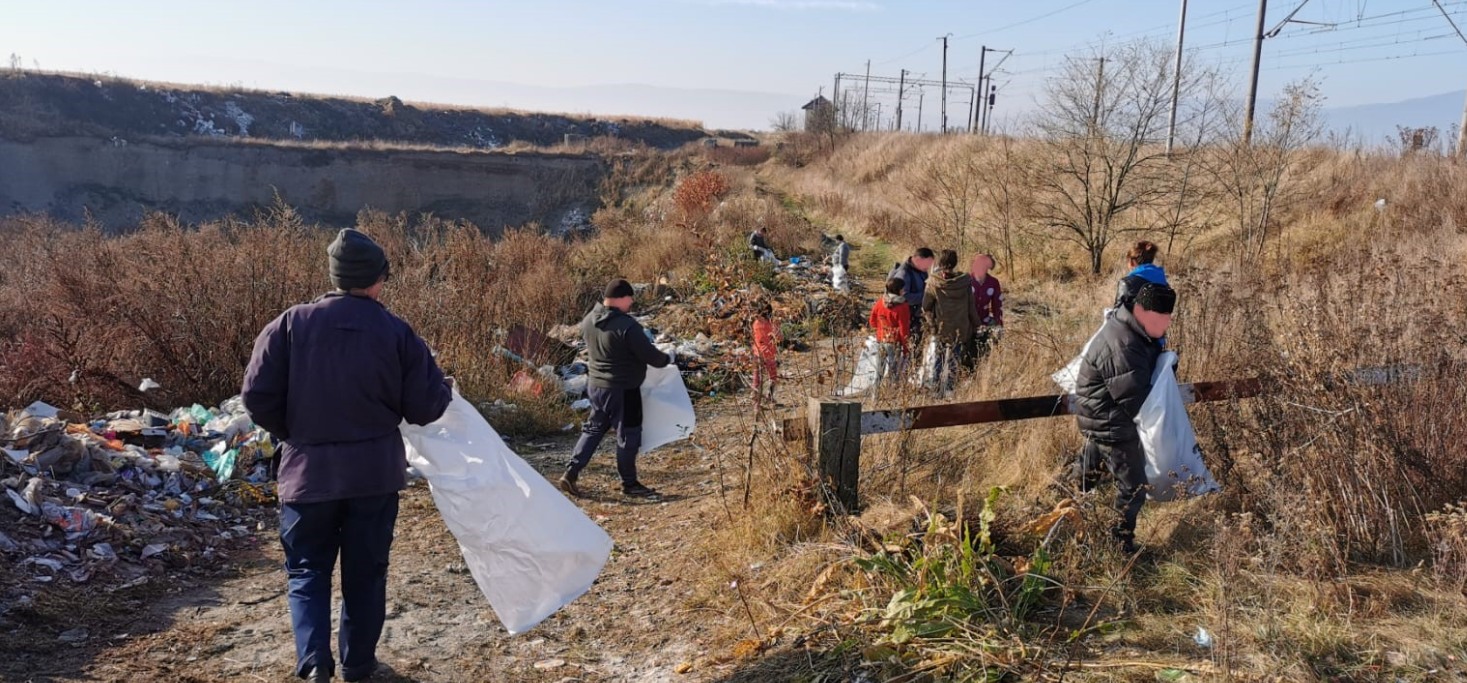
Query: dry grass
x=1334 y=551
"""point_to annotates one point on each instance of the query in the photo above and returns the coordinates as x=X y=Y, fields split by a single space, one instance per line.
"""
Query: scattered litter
x=95 y=497
x=1202 y=638
x=581 y=405
x=41 y=410
x=149 y=384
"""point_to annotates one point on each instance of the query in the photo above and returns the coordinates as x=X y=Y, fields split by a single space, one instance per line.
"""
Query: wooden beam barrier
x=834 y=427
x=1010 y=409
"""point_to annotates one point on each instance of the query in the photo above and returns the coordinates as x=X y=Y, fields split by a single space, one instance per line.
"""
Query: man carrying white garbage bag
x=620 y=355
x=1114 y=380
x=333 y=380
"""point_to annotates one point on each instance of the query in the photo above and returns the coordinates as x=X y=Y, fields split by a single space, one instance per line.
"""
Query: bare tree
x=1005 y=197
x=946 y=192
x=785 y=122
x=1256 y=178
x=1415 y=139
x=1101 y=122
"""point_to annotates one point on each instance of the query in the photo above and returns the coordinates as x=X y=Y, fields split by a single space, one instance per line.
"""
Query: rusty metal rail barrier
x=833 y=428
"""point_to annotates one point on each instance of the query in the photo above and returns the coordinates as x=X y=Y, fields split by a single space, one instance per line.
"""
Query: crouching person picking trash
x=333 y=379
x=620 y=355
x=1113 y=382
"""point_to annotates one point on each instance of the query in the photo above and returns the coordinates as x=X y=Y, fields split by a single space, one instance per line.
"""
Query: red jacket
x=891 y=318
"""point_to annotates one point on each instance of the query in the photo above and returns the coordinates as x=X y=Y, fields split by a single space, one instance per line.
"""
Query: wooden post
x=835 y=433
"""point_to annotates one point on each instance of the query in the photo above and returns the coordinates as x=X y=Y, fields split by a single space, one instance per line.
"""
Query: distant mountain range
x=1376 y=123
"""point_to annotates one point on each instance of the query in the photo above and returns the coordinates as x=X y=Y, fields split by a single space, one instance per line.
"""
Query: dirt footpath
x=636 y=623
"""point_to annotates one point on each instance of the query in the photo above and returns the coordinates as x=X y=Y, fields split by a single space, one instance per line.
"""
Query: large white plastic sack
x=838 y=278
x=926 y=375
x=667 y=410
x=1068 y=376
x=1173 y=459
x=530 y=550
x=867 y=365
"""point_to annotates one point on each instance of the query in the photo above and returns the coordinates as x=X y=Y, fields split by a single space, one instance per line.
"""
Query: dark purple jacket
x=333 y=379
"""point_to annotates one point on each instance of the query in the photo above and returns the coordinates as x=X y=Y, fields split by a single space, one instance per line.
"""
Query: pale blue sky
x=441 y=50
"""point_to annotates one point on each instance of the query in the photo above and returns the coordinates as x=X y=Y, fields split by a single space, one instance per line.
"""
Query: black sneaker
x=1128 y=545
x=639 y=491
x=360 y=673
x=568 y=484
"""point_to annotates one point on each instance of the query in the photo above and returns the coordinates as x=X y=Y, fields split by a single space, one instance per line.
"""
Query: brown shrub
x=697 y=194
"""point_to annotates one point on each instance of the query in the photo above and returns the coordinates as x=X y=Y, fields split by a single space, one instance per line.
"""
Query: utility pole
x=982 y=55
x=901 y=92
x=835 y=102
x=878 y=116
x=1462 y=133
x=865 y=108
x=1253 y=82
x=944 y=83
x=992 y=95
x=921 y=94
x=1171 y=123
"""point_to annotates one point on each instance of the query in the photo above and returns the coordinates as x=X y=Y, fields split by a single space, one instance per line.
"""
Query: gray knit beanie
x=356 y=261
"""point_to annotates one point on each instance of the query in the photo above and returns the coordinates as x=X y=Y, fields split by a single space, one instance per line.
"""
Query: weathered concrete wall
x=118 y=182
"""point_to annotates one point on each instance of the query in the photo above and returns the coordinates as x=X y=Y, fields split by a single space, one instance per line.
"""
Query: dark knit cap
x=1157 y=298
x=356 y=261
x=617 y=289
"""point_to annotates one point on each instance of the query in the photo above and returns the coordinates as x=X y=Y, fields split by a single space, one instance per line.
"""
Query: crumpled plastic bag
x=667 y=410
x=1173 y=458
x=867 y=365
x=530 y=550
x=1068 y=376
x=839 y=279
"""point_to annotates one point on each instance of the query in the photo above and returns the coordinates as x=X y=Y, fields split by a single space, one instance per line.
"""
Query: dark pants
x=1127 y=462
x=620 y=409
x=977 y=347
x=360 y=529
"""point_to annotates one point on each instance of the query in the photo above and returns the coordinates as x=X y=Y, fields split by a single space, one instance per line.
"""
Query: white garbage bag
x=838 y=279
x=1069 y=375
x=868 y=364
x=926 y=375
x=530 y=550
x=667 y=410
x=1173 y=459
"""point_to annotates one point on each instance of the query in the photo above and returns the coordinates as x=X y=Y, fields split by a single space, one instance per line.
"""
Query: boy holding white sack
x=1114 y=380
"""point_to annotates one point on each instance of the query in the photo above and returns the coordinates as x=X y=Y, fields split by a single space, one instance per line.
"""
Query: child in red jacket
x=891 y=320
x=766 y=348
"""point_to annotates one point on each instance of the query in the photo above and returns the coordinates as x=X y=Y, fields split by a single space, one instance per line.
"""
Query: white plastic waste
x=838 y=279
x=867 y=366
x=530 y=550
x=1069 y=375
x=149 y=384
x=1173 y=459
x=926 y=375
x=667 y=410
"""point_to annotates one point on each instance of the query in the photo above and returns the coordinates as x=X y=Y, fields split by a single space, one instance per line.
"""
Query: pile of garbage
x=710 y=332
x=129 y=493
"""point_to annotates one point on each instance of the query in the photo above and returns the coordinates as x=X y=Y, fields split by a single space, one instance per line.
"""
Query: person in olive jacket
x=1114 y=380
x=620 y=354
x=947 y=304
